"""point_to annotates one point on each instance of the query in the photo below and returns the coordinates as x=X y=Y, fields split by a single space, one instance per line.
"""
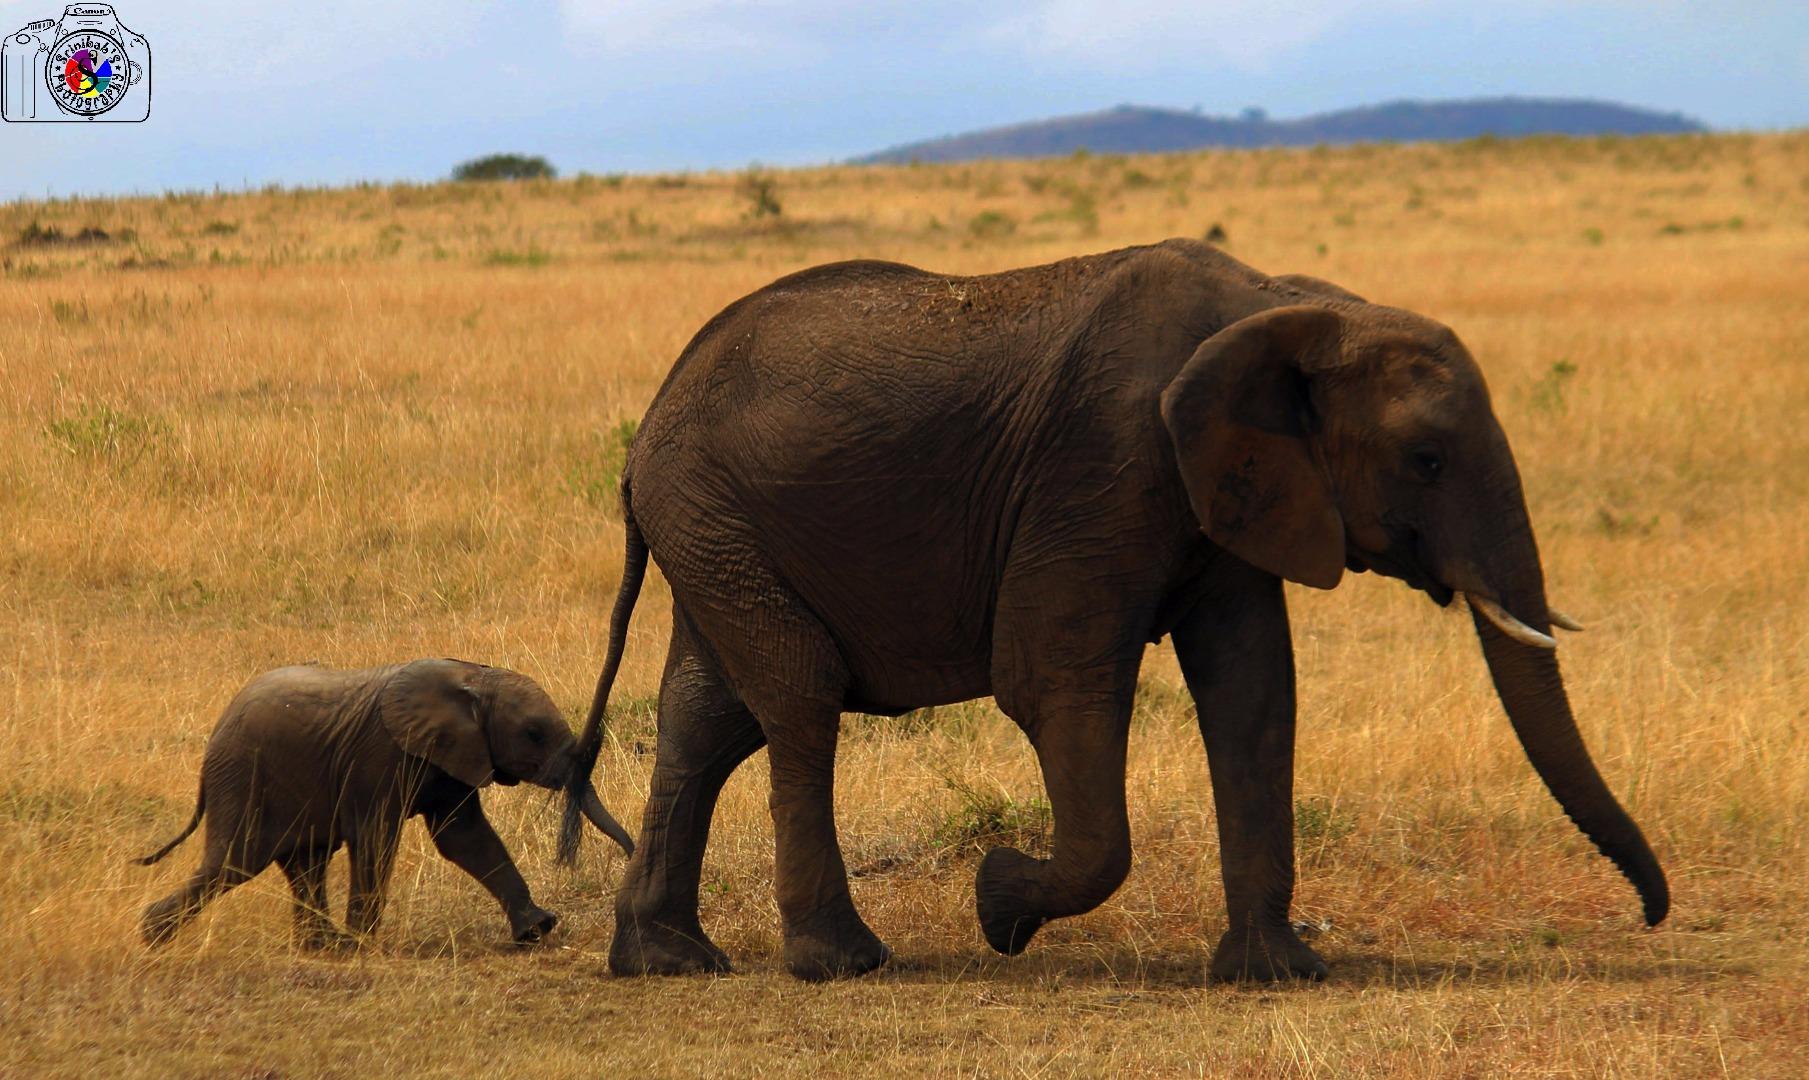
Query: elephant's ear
x=434 y=709
x=1241 y=417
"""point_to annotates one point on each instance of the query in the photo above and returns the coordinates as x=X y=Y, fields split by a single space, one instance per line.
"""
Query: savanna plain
x=362 y=425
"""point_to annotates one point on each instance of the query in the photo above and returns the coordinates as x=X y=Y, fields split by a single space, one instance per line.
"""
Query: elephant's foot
x=157 y=932
x=162 y=919
x=324 y=937
x=1006 y=917
x=1265 y=956
x=532 y=925
x=651 y=947
x=835 y=948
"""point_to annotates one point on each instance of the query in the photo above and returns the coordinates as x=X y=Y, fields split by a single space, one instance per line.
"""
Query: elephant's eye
x=536 y=733
x=1427 y=463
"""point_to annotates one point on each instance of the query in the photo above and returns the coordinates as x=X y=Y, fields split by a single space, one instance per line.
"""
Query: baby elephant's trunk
x=593 y=809
x=558 y=776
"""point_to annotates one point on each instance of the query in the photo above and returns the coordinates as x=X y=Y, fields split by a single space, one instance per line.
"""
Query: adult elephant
x=875 y=489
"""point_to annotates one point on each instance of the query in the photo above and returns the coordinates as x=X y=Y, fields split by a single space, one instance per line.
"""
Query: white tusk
x=1563 y=621
x=1509 y=625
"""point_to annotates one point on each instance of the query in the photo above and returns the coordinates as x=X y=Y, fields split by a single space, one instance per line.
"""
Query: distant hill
x=1130 y=129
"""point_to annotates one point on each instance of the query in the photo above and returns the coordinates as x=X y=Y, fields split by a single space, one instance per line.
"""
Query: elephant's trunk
x=1532 y=691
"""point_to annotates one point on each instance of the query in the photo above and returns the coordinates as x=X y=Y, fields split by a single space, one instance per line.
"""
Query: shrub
x=36 y=235
x=991 y=224
x=761 y=192
x=1082 y=208
x=1548 y=392
x=505 y=167
x=982 y=820
x=596 y=475
x=531 y=257
x=1318 y=821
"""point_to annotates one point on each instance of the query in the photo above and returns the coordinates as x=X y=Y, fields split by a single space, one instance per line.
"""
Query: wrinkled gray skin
x=306 y=759
x=876 y=489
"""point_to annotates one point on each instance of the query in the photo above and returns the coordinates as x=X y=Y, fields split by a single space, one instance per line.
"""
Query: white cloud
x=225 y=51
x=1085 y=31
x=747 y=27
x=1247 y=33
x=1109 y=35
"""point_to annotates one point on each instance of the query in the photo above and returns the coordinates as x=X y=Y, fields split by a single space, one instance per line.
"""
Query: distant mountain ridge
x=1132 y=129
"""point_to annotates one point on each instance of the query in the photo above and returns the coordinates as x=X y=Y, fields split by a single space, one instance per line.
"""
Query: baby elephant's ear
x=433 y=710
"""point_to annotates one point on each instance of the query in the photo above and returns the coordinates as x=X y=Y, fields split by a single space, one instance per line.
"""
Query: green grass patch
x=103 y=434
x=1318 y=822
x=985 y=818
x=532 y=257
x=991 y=225
x=595 y=473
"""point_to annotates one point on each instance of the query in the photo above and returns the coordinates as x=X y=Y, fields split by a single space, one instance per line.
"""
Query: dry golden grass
x=364 y=425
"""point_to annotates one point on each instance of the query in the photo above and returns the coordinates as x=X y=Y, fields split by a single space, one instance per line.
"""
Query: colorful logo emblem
x=86 y=66
x=86 y=74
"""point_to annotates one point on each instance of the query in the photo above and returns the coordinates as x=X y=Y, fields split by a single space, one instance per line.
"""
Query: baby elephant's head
x=482 y=724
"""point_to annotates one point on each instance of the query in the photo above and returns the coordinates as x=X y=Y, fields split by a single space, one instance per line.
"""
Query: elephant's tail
x=187 y=831
x=590 y=743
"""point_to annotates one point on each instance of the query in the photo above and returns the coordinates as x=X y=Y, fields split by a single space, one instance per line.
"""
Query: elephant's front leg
x=306 y=868
x=372 y=853
x=464 y=835
x=1079 y=738
x=1238 y=658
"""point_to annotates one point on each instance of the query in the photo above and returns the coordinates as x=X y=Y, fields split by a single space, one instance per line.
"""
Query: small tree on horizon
x=762 y=194
x=505 y=167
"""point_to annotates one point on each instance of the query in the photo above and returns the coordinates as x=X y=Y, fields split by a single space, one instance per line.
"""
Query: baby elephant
x=306 y=759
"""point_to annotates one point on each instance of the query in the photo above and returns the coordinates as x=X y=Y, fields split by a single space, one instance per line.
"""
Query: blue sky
x=328 y=92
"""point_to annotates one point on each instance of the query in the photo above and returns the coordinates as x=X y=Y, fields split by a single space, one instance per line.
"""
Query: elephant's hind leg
x=231 y=857
x=790 y=673
x=704 y=734
x=825 y=937
x=786 y=669
x=165 y=917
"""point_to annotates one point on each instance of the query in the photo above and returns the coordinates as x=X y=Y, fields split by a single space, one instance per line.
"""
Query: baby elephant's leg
x=372 y=852
x=230 y=858
x=166 y=916
x=306 y=869
x=465 y=837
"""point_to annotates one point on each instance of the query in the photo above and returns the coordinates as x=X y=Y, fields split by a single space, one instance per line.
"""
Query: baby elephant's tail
x=187 y=831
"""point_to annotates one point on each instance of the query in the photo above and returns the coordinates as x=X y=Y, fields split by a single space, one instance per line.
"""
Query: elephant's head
x=1315 y=439
x=482 y=724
